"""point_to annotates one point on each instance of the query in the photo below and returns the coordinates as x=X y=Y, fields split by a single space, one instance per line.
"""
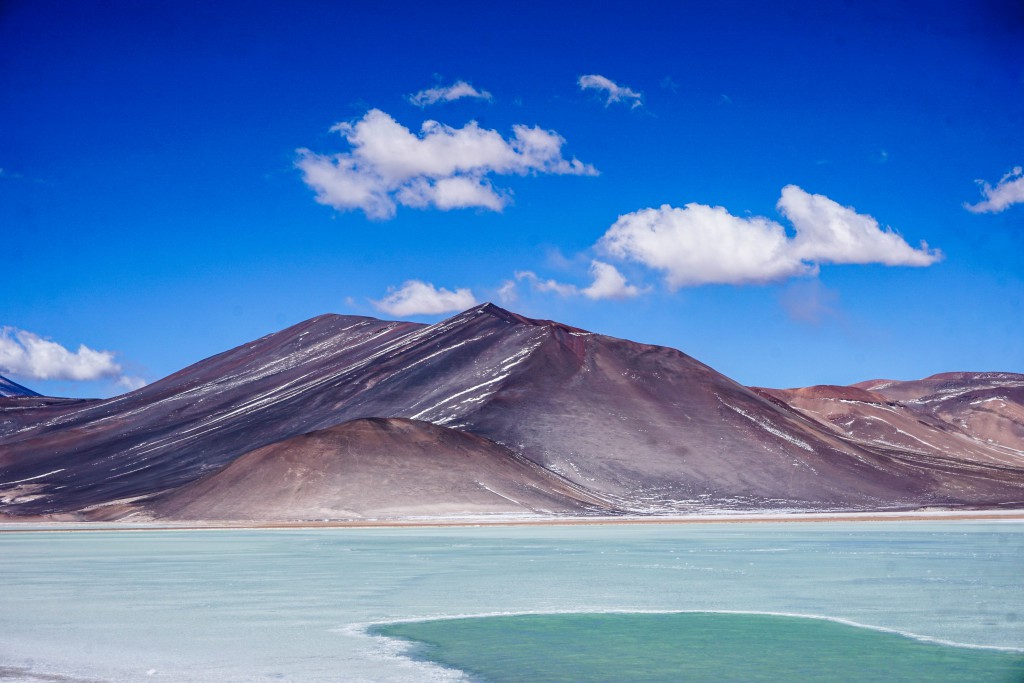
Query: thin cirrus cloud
x=699 y=244
x=1007 y=192
x=612 y=90
x=608 y=283
x=416 y=297
x=810 y=302
x=506 y=292
x=552 y=286
x=442 y=167
x=450 y=93
x=27 y=355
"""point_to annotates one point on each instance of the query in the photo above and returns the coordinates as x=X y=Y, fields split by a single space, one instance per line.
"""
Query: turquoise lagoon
x=652 y=602
x=739 y=647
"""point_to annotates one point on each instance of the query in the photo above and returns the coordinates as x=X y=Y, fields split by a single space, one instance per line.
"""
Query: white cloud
x=700 y=244
x=827 y=232
x=447 y=168
x=459 y=192
x=1007 y=192
x=613 y=91
x=28 y=355
x=455 y=91
x=538 y=285
x=608 y=283
x=416 y=297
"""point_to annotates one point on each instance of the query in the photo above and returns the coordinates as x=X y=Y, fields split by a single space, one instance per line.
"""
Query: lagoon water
x=694 y=646
x=304 y=605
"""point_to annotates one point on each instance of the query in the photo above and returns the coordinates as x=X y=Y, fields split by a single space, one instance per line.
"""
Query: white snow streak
x=763 y=424
x=38 y=476
x=449 y=399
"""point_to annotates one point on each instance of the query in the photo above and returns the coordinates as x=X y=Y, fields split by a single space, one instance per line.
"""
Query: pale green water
x=674 y=648
x=293 y=605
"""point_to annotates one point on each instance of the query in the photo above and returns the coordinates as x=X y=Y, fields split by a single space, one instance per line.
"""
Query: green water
x=693 y=647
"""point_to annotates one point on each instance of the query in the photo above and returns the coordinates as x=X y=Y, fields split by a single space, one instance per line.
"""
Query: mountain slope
x=316 y=374
x=663 y=431
x=970 y=417
x=988 y=406
x=11 y=388
x=374 y=467
x=644 y=428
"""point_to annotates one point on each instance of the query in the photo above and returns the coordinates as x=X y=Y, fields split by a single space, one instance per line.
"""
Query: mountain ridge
x=10 y=388
x=644 y=429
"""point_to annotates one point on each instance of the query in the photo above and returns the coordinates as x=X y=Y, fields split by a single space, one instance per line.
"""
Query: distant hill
x=10 y=388
x=349 y=417
x=976 y=416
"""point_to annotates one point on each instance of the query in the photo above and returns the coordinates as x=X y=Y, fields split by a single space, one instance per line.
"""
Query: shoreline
x=38 y=526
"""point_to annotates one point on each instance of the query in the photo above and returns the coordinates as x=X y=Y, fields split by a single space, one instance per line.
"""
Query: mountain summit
x=558 y=420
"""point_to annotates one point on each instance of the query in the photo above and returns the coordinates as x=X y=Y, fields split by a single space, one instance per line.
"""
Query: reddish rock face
x=970 y=417
x=626 y=426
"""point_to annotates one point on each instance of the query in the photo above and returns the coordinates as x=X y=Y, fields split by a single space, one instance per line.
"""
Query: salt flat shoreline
x=9 y=525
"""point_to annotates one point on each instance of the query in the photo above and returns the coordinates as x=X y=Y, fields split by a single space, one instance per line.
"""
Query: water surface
x=673 y=648
x=293 y=605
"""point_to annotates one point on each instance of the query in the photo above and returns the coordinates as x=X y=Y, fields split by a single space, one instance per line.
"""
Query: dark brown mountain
x=626 y=427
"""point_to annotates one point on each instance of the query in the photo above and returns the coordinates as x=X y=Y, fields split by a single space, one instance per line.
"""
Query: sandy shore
x=36 y=525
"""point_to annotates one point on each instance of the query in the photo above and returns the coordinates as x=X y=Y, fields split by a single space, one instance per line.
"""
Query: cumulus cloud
x=443 y=167
x=608 y=283
x=28 y=355
x=1007 y=192
x=455 y=91
x=828 y=232
x=613 y=91
x=699 y=244
x=416 y=297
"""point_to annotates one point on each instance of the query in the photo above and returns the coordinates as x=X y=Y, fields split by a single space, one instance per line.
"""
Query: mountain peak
x=495 y=311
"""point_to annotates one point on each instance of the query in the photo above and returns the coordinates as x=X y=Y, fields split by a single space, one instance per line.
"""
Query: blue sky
x=156 y=208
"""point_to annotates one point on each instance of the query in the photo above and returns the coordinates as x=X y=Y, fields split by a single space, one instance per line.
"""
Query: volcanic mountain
x=486 y=412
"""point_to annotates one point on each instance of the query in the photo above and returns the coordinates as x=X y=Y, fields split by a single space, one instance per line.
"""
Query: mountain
x=584 y=421
x=976 y=416
x=376 y=467
x=10 y=388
